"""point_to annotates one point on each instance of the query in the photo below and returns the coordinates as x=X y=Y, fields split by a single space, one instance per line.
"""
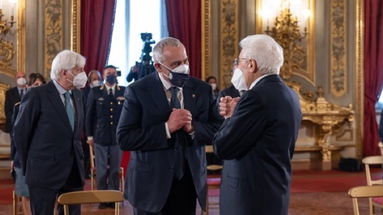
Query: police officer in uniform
x=103 y=110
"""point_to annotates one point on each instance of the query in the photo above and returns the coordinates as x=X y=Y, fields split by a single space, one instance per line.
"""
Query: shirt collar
x=167 y=85
x=257 y=80
x=60 y=88
x=108 y=87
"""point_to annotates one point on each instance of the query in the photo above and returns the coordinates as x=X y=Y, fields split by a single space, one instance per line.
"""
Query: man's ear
x=253 y=65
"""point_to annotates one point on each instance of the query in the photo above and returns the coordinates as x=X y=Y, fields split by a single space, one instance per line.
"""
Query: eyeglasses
x=237 y=60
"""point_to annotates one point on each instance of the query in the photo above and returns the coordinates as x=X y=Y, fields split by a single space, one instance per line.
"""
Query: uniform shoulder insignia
x=101 y=99
x=18 y=103
x=120 y=98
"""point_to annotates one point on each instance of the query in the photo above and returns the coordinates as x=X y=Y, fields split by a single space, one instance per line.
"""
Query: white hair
x=158 y=49
x=66 y=60
x=265 y=51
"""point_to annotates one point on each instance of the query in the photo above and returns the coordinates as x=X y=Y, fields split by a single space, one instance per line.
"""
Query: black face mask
x=111 y=79
x=178 y=79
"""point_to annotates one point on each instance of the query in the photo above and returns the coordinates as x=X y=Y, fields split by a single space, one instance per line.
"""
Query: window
x=131 y=19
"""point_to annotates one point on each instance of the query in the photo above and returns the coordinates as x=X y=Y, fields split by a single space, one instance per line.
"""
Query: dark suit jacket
x=103 y=113
x=142 y=130
x=12 y=96
x=48 y=146
x=257 y=144
x=228 y=91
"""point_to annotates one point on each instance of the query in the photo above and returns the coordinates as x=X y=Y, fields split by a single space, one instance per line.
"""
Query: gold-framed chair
x=364 y=192
x=91 y=197
x=93 y=172
x=212 y=182
x=367 y=161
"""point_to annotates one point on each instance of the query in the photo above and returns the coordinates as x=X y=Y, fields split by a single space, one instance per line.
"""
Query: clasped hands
x=227 y=105
x=180 y=118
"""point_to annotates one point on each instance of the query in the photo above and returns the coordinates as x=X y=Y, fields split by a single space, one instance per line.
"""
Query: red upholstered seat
x=378 y=200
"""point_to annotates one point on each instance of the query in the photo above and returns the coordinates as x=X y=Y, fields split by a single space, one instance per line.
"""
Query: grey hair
x=265 y=51
x=158 y=49
x=66 y=60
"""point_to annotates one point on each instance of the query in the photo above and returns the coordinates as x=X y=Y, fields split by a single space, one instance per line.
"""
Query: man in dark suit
x=103 y=111
x=257 y=138
x=47 y=134
x=12 y=96
x=166 y=119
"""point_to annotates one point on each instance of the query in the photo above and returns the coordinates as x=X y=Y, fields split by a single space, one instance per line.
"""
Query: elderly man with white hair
x=258 y=135
x=47 y=134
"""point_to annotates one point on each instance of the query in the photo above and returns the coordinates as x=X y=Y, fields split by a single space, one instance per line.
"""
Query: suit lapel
x=58 y=105
x=157 y=93
x=190 y=96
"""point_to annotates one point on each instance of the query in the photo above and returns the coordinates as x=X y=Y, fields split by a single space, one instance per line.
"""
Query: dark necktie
x=69 y=109
x=21 y=93
x=179 y=149
x=174 y=101
x=110 y=92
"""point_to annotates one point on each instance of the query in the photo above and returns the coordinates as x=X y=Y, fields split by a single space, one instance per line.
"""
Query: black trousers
x=181 y=199
x=43 y=199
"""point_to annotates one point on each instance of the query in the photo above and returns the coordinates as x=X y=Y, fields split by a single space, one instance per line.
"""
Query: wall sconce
x=287 y=22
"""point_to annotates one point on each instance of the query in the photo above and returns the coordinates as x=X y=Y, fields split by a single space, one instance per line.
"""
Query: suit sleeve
x=131 y=135
x=238 y=134
x=204 y=131
x=26 y=122
x=8 y=107
x=90 y=114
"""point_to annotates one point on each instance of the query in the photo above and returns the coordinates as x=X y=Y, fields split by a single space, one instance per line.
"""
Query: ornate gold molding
x=206 y=38
x=53 y=32
x=75 y=25
x=229 y=13
x=338 y=47
x=3 y=89
x=359 y=79
x=21 y=36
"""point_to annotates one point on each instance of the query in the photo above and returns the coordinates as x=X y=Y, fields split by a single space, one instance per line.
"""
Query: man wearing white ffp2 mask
x=12 y=96
x=48 y=129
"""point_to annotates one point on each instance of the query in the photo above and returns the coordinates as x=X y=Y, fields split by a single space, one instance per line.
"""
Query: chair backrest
x=381 y=148
x=364 y=192
x=91 y=196
x=91 y=156
x=372 y=160
x=212 y=167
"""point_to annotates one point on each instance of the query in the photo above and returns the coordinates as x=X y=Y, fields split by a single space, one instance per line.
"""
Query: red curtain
x=97 y=17
x=184 y=23
x=373 y=72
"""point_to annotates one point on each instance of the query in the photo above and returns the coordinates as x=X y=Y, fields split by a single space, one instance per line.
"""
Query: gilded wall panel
x=338 y=47
x=229 y=40
x=53 y=32
x=206 y=38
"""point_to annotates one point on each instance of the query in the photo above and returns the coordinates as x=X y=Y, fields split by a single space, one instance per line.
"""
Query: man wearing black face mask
x=103 y=110
x=166 y=119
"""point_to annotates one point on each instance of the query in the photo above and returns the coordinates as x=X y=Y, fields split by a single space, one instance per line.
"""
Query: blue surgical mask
x=111 y=79
x=179 y=75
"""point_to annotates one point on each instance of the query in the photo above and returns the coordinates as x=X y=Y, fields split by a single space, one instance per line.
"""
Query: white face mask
x=80 y=80
x=238 y=80
x=95 y=83
x=21 y=81
x=213 y=85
